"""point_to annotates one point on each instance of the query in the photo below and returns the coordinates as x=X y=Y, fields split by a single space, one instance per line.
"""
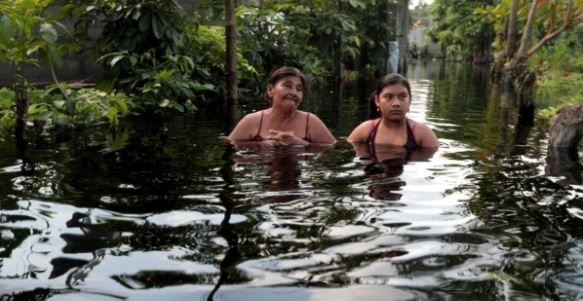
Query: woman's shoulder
x=252 y=116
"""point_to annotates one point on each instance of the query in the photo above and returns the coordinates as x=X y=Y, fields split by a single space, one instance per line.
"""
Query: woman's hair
x=285 y=71
x=392 y=79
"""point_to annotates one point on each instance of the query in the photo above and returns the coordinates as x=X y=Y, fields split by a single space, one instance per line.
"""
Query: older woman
x=393 y=99
x=283 y=123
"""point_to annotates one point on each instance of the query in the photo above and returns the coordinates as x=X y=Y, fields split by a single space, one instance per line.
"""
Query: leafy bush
x=560 y=68
x=90 y=107
x=142 y=47
x=206 y=45
x=557 y=91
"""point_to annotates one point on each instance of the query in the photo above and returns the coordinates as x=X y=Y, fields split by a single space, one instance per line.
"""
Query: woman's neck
x=281 y=119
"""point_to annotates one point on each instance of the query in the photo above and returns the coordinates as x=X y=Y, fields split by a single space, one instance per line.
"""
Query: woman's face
x=287 y=93
x=393 y=102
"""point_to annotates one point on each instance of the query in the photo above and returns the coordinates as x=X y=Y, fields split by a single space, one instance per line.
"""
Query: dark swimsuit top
x=258 y=135
x=410 y=145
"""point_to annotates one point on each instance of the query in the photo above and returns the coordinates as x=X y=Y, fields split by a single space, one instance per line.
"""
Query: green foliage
x=558 y=90
x=91 y=107
x=312 y=35
x=565 y=53
x=559 y=65
x=270 y=39
x=458 y=26
x=206 y=46
x=159 y=84
x=135 y=26
x=7 y=110
x=27 y=33
x=548 y=18
x=142 y=48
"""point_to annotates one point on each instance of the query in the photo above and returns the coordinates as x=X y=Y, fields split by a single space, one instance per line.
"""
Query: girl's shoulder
x=362 y=131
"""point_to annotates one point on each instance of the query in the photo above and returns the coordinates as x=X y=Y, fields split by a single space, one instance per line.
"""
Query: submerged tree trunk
x=231 y=62
x=566 y=132
x=523 y=79
x=21 y=103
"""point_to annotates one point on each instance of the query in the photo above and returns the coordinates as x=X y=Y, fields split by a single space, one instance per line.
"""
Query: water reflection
x=384 y=164
x=277 y=169
x=176 y=215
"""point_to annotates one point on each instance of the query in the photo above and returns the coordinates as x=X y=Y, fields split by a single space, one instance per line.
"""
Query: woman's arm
x=245 y=129
x=319 y=133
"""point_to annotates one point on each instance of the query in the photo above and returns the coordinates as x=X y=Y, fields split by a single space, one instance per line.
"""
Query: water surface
x=167 y=210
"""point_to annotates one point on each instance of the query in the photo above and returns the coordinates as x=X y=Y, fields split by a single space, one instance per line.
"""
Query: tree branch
x=522 y=50
x=568 y=21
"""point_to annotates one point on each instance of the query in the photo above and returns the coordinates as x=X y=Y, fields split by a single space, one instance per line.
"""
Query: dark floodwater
x=165 y=211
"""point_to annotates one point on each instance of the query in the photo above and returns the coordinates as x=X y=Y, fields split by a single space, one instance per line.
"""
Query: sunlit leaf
x=164 y=103
x=115 y=60
x=48 y=33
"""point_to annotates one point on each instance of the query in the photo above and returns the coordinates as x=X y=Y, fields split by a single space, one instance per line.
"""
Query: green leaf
x=205 y=87
x=55 y=57
x=121 y=105
x=164 y=75
x=145 y=22
x=48 y=33
x=5 y=29
x=112 y=115
x=33 y=48
x=116 y=59
x=156 y=27
x=164 y=103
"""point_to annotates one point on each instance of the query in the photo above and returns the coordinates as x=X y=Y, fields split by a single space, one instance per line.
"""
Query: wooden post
x=231 y=66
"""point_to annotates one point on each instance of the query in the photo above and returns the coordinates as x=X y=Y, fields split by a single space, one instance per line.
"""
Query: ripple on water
x=181 y=218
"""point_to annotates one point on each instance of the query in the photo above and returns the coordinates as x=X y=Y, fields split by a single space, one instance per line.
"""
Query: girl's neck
x=393 y=124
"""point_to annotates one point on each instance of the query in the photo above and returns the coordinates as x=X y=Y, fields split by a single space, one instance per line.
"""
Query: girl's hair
x=392 y=79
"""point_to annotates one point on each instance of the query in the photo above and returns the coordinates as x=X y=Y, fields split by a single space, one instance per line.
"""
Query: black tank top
x=410 y=145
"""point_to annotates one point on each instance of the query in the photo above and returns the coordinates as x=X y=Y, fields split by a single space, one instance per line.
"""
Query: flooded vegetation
x=166 y=209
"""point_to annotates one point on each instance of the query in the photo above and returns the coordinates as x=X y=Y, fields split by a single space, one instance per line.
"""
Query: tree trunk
x=231 y=62
x=523 y=79
x=402 y=34
x=522 y=54
x=511 y=33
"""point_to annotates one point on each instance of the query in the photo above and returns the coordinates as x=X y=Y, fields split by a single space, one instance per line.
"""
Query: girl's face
x=287 y=92
x=394 y=102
